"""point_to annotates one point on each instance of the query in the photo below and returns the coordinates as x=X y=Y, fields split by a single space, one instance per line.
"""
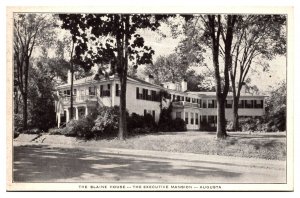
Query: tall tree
x=216 y=33
x=257 y=39
x=276 y=107
x=169 y=68
x=122 y=45
x=30 y=30
x=175 y=68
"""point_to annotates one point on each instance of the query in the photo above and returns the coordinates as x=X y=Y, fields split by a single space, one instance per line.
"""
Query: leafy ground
x=266 y=146
x=256 y=145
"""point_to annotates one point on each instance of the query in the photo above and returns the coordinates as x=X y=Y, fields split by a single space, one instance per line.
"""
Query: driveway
x=45 y=163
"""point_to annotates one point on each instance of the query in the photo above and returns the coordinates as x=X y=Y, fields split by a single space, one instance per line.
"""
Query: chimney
x=149 y=79
x=69 y=77
x=183 y=85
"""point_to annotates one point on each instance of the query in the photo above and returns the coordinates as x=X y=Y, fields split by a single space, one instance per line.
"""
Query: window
x=188 y=99
x=103 y=92
x=91 y=91
x=68 y=92
x=145 y=94
x=200 y=103
x=249 y=104
x=204 y=104
x=149 y=112
x=215 y=103
x=211 y=119
x=229 y=103
x=153 y=95
x=178 y=114
x=186 y=117
x=196 y=119
x=204 y=119
x=192 y=118
x=211 y=103
x=74 y=92
x=137 y=93
x=117 y=90
x=241 y=104
x=258 y=104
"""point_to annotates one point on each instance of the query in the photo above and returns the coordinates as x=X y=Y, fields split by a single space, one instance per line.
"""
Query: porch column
x=113 y=92
x=86 y=111
x=67 y=115
x=58 y=120
x=76 y=113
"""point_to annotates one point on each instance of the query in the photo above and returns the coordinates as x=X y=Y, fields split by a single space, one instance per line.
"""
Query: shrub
x=149 y=122
x=55 y=131
x=178 y=125
x=135 y=121
x=107 y=121
x=140 y=131
x=16 y=134
x=205 y=126
x=137 y=124
x=251 y=124
x=79 y=128
x=32 y=131
x=165 y=120
x=18 y=122
x=229 y=126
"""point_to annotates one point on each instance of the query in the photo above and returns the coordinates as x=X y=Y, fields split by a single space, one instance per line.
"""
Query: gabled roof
x=134 y=79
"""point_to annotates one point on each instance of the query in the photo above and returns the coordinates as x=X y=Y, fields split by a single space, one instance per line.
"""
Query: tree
x=169 y=68
x=218 y=30
x=30 y=30
x=276 y=108
x=40 y=96
x=257 y=38
x=120 y=45
x=173 y=68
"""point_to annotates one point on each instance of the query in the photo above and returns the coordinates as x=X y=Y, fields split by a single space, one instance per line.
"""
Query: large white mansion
x=143 y=97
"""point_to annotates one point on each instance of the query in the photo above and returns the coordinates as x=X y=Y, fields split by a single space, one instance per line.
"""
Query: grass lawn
x=256 y=145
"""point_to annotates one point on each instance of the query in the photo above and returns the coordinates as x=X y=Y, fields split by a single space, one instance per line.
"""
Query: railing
x=77 y=99
x=186 y=104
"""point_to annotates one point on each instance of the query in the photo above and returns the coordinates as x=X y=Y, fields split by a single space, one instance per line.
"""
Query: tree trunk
x=123 y=124
x=235 y=108
x=122 y=45
x=16 y=102
x=25 y=115
x=71 y=93
x=72 y=74
x=25 y=93
x=221 y=120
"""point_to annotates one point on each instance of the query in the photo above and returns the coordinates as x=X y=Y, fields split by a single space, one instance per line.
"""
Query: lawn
x=270 y=146
x=256 y=145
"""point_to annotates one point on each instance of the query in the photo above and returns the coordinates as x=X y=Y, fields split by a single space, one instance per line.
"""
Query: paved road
x=44 y=163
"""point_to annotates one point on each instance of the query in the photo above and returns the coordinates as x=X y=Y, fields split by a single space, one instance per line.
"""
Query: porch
x=78 y=113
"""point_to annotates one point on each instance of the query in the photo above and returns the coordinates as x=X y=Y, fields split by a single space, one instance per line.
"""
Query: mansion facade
x=142 y=97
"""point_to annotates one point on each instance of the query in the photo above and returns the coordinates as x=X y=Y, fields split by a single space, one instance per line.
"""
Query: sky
x=164 y=46
x=263 y=80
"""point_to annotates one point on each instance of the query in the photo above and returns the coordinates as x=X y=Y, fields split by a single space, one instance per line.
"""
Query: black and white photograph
x=149 y=101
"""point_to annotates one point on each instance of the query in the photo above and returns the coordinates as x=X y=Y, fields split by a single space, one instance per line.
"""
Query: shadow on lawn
x=45 y=164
